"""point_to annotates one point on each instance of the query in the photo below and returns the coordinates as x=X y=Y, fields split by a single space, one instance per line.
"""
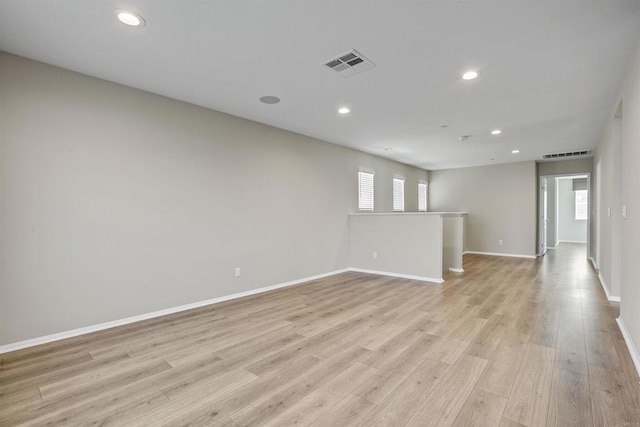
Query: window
x=422 y=196
x=398 y=194
x=581 y=199
x=365 y=191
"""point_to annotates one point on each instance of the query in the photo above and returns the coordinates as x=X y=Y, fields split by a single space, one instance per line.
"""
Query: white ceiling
x=550 y=70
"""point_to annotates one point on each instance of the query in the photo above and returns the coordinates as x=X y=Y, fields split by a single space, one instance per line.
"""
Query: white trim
x=499 y=254
x=456 y=270
x=107 y=325
x=403 y=276
x=633 y=351
x=571 y=241
x=552 y=247
x=606 y=290
x=450 y=214
x=366 y=170
x=593 y=262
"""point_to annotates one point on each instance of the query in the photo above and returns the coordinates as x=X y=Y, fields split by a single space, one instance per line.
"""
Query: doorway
x=564 y=216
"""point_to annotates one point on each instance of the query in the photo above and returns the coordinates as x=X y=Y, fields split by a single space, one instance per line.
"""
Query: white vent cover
x=568 y=154
x=349 y=63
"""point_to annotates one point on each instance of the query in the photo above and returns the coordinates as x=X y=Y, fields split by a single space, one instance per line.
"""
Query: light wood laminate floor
x=509 y=342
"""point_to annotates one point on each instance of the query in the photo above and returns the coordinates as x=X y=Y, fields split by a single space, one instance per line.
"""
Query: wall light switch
x=237 y=271
x=624 y=212
x=609 y=212
x=500 y=242
x=374 y=255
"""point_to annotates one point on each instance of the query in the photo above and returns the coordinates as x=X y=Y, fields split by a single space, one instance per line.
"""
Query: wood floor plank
x=570 y=403
x=443 y=404
x=613 y=403
x=200 y=407
x=315 y=404
x=86 y=391
x=351 y=411
x=482 y=409
x=272 y=404
x=400 y=405
x=600 y=348
x=381 y=385
x=500 y=374
x=489 y=337
x=529 y=399
x=571 y=345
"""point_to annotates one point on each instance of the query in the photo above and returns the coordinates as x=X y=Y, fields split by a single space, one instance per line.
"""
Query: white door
x=544 y=219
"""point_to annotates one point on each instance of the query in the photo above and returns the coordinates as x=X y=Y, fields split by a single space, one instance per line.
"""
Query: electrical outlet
x=500 y=242
x=237 y=271
x=374 y=255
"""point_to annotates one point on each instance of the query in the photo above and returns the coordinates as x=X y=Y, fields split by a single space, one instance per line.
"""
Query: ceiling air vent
x=349 y=63
x=565 y=155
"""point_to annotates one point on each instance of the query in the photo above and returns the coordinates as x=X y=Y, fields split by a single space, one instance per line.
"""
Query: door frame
x=542 y=195
x=589 y=208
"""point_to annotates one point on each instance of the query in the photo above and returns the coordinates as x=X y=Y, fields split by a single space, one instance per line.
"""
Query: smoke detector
x=349 y=63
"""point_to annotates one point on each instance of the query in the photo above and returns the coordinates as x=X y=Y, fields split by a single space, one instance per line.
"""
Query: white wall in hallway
x=629 y=153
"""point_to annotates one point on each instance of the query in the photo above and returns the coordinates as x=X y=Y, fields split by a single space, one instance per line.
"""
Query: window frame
x=423 y=185
x=398 y=183
x=584 y=203
x=363 y=199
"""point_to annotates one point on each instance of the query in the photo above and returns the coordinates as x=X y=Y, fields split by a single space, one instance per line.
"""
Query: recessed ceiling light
x=515 y=151
x=470 y=75
x=496 y=132
x=344 y=110
x=129 y=18
x=269 y=99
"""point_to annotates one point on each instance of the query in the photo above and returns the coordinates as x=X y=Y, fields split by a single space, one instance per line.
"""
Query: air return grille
x=349 y=63
x=568 y=154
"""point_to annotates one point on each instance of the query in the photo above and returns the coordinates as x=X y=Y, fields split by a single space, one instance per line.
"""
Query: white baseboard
x=593 y=262
x=99 y=327
x=403 y=276
x=499 y=254
x=456 y=270
x=552 y=247
x=633 y=351
x=605 y=287
x=571 y=241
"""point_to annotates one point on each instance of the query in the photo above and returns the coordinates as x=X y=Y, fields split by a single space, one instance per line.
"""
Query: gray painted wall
x=609 y=155
x=627 y=155
x=569 y=229
x=117 y=202
x=404 y=244
x=566 y=167
x=500 y=200
x=630 y=279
